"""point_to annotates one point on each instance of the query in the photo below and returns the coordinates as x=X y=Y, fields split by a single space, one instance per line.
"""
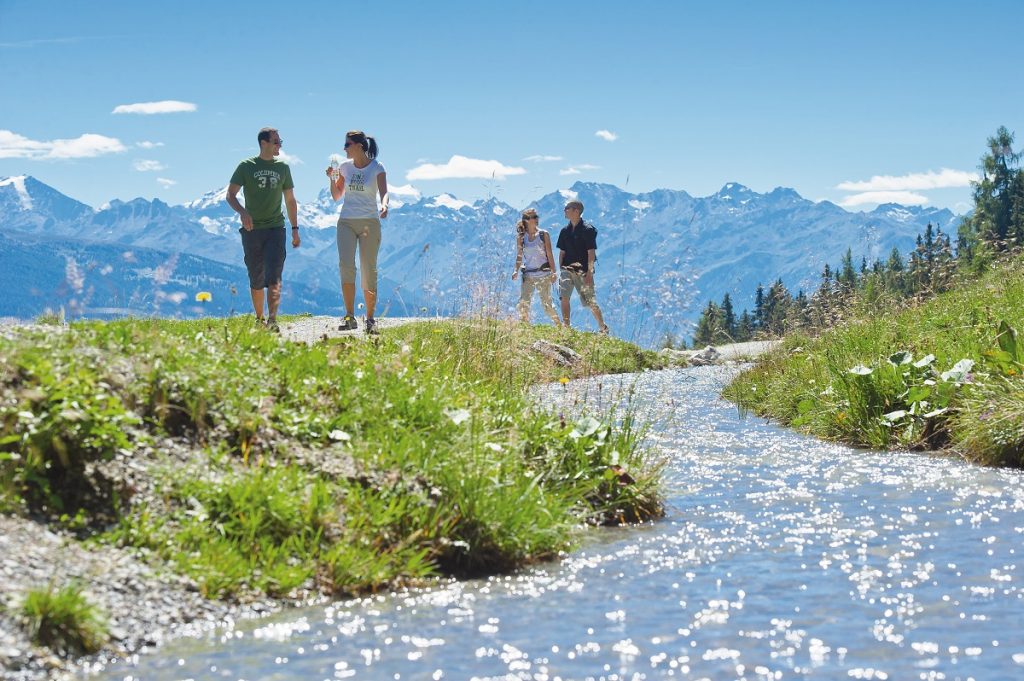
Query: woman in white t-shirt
x=359 y=179
x=534 y=260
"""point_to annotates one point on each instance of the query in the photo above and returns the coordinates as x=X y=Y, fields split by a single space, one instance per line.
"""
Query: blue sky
x=838 y=100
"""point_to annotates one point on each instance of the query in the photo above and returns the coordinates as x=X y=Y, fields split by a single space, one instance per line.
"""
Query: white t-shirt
x=534 y=256
x=360 y=199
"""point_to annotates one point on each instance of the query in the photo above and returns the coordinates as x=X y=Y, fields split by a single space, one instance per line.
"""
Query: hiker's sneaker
x=604 y=330
x=348 y=323
x=272 y=326
x=371 y=326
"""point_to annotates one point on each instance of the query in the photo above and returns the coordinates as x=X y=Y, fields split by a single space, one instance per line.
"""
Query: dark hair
x=521 y=225
x=368 y=143
x=265 y=134
x=575 y=203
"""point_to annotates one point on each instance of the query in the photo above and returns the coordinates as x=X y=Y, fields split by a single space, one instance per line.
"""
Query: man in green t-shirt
x=265 y=181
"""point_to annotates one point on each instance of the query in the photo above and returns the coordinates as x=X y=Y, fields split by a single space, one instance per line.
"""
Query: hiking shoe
x=272 y=326
x=604 y=330
x=348 y=323
x=371 y=326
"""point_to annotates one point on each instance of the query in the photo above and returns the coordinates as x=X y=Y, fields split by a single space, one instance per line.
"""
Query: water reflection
x=781 y=558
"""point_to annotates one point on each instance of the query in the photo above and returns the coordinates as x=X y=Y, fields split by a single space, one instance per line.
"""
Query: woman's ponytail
x=368 y=143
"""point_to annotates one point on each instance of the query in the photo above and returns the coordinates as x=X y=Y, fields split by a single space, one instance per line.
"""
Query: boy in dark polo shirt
x=577 y=251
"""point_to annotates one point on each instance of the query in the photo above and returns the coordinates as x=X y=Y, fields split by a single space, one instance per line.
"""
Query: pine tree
x=728 y=330
x=759 y=307
x=995 y=222
x=777 y=306
x=745 y=327
x=847 y=278
x=708 y=326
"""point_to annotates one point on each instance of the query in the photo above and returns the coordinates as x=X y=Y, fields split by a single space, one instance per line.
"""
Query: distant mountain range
x=661 y=254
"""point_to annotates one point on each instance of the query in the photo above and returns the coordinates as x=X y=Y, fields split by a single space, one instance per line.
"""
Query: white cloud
x=540 y=158
x=149 y=145
x=606 y=135
x=943 y=179
x=904 y=197
x=461 y=167
x=13 y=145
x=161 y=107
x=143 y=165
x=165 y=182
x=289 y=159
x=576 y=170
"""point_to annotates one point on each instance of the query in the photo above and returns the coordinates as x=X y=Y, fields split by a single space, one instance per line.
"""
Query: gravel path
x=749 y=350
x=309 y=330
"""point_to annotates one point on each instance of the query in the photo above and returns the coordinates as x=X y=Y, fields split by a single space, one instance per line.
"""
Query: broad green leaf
x=861 y=370
x=1007 y=339
x=894 y=416
x=959 y=371
x=918 y=393
x=901 y=357
x=999 y=356
x=805 y=406
x=924 y=361
x=935 y=413
x=587 y=426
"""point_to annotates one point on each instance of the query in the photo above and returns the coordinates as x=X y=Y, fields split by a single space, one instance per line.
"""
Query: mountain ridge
x=661 y=253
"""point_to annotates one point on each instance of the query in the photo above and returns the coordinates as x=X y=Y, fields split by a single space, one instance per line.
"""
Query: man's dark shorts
x=264 y=255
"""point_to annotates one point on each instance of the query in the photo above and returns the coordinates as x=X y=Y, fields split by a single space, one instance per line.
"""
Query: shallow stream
x=780 y=558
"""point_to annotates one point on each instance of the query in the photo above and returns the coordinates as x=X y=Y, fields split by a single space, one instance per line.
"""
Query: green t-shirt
x=264 y=183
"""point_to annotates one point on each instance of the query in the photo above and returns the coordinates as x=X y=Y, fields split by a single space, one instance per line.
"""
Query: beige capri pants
x=366 y=233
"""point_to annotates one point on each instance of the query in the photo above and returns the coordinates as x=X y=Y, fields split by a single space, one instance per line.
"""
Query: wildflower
x=203 y=297
x=563 y=380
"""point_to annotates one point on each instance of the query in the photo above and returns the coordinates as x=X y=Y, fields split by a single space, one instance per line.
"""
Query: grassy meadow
x=943 y=374
x=341 y=467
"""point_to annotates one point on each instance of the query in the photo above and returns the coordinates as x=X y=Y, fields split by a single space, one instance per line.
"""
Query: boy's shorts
x=265 y=252
x=569 y=280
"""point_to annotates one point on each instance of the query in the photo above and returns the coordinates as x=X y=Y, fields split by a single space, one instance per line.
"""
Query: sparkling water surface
x=781 y=557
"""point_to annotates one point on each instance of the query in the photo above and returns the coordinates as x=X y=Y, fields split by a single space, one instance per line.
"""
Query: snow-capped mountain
x=661 y=254
x=28 y=205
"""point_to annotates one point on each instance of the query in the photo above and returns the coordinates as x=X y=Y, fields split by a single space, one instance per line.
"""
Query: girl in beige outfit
x=359 y=179
x=534 y=259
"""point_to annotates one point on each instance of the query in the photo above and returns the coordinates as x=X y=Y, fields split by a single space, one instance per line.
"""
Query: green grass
x=944 y=374
x=454 y=469
x=64 y=621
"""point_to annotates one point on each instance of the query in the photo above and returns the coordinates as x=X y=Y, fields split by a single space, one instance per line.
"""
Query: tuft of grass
x=946 y=373
x=64 y=621
x=989 y=426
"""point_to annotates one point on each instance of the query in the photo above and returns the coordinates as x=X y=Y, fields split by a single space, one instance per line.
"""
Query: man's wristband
x=295 y=226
